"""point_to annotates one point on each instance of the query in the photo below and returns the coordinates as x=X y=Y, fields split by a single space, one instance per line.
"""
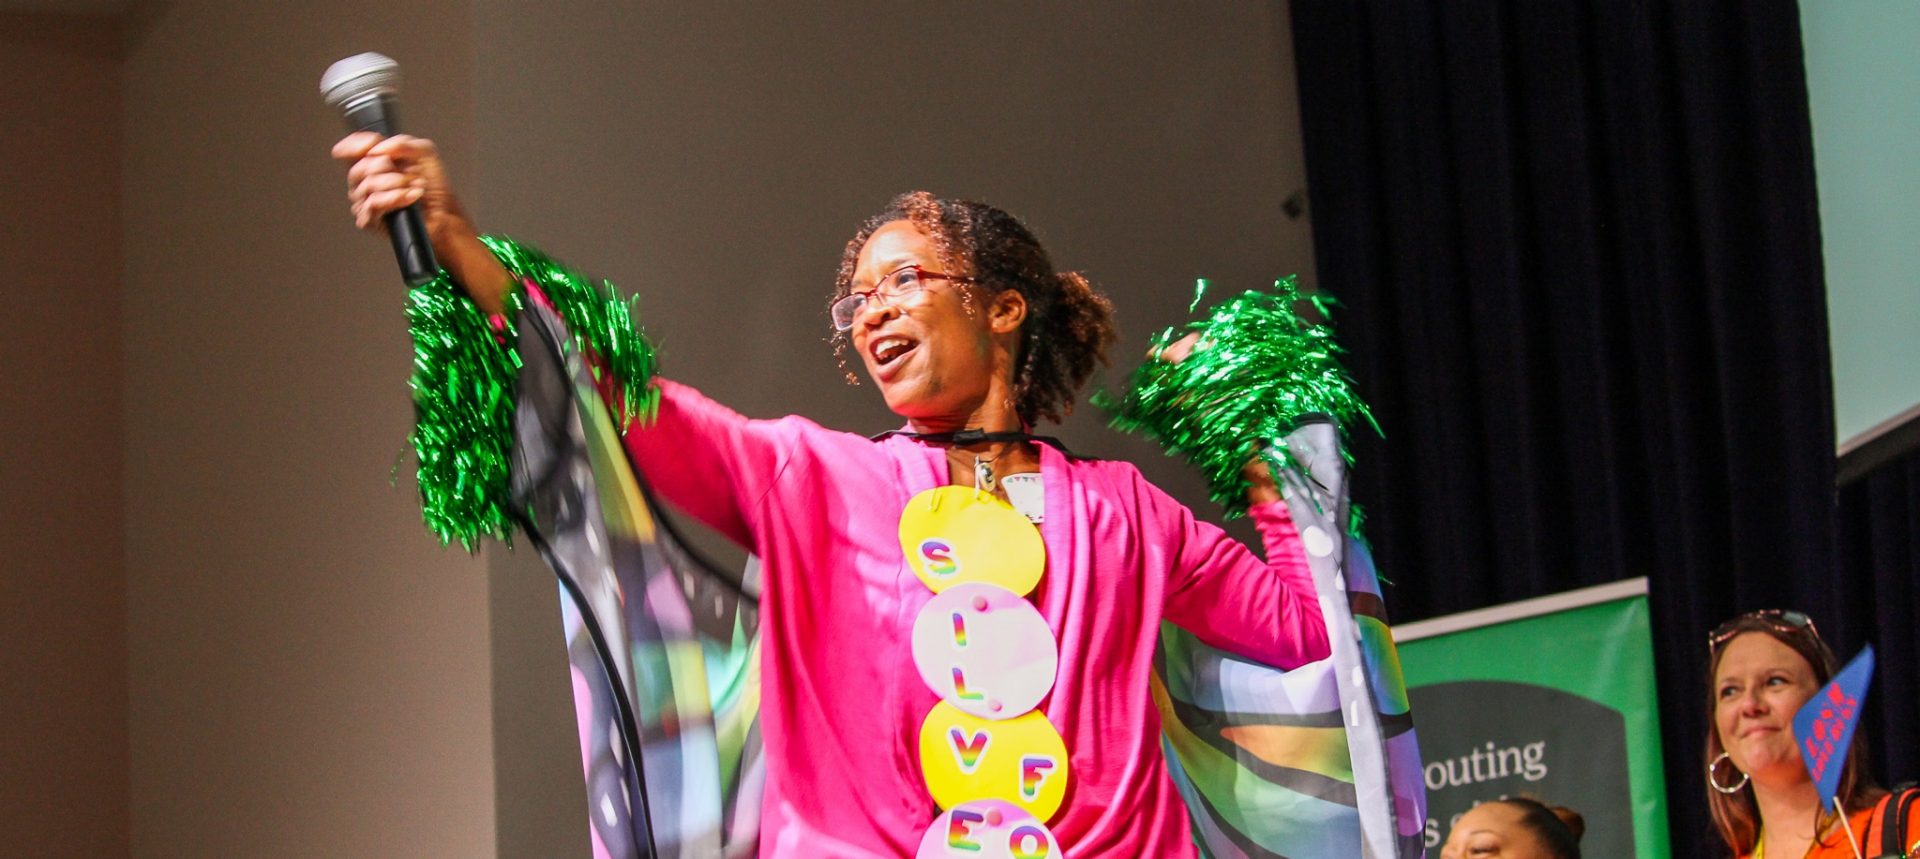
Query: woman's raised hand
x=1260 y=488
x=387 y=174
x=1178 y=350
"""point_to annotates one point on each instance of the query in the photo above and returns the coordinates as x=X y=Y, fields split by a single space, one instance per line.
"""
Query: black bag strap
x=1892 y=815
x=1899 y=828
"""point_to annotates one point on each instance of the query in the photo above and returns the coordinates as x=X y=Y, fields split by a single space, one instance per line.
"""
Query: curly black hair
x=1069 y=324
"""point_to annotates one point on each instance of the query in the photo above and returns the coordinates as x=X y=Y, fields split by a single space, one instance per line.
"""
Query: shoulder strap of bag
x=1893 y=834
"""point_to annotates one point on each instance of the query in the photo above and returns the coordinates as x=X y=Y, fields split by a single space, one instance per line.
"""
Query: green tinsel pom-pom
x=465 y=375
x=463 y=384
x=602 y=323
x=1257 y=368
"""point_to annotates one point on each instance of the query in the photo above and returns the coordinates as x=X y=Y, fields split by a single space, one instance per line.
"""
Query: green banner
x=1551 y=698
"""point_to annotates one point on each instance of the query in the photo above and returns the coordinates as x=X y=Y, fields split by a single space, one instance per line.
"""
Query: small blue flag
x=1824 y=725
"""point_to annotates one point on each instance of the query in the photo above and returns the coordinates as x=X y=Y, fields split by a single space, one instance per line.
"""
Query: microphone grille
x=359 y=76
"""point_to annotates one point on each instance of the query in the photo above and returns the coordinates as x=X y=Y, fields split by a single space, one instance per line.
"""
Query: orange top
x=1836 y=846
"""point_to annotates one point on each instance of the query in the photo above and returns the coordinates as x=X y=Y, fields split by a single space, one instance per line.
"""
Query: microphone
x=364 y=88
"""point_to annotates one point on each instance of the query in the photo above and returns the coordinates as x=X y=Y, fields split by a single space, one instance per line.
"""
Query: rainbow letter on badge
x=960 y=687
x=1028 y=842
x=1034 y=770
x=968 y=753
x=959 y=630
x=939 y=557
x=960 y=830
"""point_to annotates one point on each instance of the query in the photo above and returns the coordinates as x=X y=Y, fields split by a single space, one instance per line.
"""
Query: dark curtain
x=1879 y=591
x=1578 y=249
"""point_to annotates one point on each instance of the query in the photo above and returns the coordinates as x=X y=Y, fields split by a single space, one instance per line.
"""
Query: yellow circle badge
x=965 y=758
x=957 y=534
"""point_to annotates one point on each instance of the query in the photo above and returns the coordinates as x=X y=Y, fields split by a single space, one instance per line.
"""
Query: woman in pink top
x=960 y=320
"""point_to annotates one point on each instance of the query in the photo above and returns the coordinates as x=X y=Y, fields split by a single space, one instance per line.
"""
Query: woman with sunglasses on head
x=1762 y=667
x=960 y=320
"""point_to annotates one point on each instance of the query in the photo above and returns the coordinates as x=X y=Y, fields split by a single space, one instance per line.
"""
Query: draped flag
x=662 y=644
x=1320 y=761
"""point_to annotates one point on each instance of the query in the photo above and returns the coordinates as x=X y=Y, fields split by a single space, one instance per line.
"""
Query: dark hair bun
x=1575 y=823
x=1077 y=332
x=1558 y=827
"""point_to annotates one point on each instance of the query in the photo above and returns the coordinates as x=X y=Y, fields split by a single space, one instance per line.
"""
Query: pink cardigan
x=843 y=703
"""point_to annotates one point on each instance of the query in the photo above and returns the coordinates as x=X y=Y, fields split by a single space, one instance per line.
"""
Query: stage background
x=295 y=670
x=234 y=638
x=1581 y=248
x=237 y=637
x=63 y=583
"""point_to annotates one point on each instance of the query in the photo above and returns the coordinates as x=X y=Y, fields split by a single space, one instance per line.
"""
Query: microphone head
x=358 y=77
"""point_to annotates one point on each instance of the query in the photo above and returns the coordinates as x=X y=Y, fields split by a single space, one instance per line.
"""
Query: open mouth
x=889 y=349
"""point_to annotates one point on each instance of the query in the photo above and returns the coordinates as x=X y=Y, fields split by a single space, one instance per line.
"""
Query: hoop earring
x=1714 y=783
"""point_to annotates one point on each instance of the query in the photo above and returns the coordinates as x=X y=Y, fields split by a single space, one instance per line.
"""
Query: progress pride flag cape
x=1320 y=761
x=1316 y=762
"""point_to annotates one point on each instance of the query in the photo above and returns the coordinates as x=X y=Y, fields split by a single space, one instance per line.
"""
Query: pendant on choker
x=982 y=474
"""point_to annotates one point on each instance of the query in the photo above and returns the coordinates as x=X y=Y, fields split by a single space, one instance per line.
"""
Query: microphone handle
x=408 y=230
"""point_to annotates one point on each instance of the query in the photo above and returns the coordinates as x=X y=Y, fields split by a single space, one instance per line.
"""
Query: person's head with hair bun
x=950 y=304
x=1516 y=828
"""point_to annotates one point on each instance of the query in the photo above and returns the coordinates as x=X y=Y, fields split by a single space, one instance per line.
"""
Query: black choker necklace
x=983 y=476
x=967 y=437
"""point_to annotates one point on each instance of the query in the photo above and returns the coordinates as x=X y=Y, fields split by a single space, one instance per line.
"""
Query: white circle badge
x=985 y=650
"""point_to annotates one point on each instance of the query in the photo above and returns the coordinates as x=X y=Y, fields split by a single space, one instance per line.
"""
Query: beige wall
x=714 y=158
x=63 y=644
x=309 y=670
x=300 y=670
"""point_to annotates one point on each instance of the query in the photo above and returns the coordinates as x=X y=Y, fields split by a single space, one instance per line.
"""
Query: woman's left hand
x=1260 y=485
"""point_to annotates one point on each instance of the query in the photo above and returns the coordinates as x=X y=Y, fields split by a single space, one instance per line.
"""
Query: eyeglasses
x=1785 y=621
x=901 y=283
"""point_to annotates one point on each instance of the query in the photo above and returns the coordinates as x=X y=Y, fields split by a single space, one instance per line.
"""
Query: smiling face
x=941 y=358
x=1493 y=829
x=1758 y=687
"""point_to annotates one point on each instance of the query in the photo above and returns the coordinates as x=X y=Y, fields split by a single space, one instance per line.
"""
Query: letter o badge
x=988 y=829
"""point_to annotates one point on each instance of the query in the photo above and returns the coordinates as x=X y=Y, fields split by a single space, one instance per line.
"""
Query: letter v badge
x=968 y=753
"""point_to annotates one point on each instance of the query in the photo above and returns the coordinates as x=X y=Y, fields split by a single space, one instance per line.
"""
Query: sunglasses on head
x=1785 y=621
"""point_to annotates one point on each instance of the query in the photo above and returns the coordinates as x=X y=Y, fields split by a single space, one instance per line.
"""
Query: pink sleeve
x=1221 y=592
x=710 y=461
x=702 y=457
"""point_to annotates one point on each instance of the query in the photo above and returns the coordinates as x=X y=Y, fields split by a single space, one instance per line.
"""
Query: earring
x=1715 y=783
